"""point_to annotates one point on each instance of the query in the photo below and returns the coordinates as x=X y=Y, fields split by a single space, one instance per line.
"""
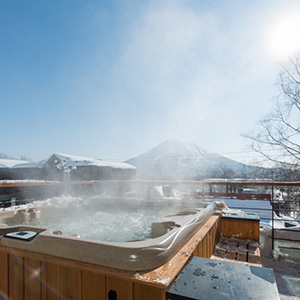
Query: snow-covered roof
x=30 y=165
x=72 y=160
x=69 y=160
x=12 y=163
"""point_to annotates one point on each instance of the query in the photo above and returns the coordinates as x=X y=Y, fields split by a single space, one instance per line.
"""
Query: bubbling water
x=98 y=218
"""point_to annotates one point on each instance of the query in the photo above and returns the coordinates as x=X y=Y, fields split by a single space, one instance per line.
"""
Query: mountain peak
x=176 y=148
x=178 y=159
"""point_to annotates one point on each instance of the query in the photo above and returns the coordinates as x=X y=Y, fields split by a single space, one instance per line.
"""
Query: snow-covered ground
x=287 y=276
x=287 y=272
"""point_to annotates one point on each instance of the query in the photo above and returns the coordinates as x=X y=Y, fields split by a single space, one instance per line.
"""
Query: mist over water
x=102 y=218
x=100 y=225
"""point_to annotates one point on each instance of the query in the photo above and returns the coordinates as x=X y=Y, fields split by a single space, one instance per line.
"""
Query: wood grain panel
x=214 y=235
x=240 y=228
x=200 y=249
x=205 y=248
x=146 y=292
x=32 y=279
x=4 y=273
x=93 y=286
x=70 y=283
x=52 y=284
x=122 y=288
x=210 y=246
x=16 y=277
x=207 y=243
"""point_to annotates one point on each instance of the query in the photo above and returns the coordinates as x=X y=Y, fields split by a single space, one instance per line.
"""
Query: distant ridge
x=180 y=159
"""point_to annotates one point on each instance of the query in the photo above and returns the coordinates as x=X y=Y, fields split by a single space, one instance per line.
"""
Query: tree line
x=22 y=157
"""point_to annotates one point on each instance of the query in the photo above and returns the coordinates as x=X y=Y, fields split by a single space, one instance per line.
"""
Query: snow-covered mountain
x=178 y=159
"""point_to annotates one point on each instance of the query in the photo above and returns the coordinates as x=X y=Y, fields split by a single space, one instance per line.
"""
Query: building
x=63 y=167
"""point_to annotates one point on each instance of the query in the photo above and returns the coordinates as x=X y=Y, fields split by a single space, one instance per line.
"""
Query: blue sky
x=112 y=79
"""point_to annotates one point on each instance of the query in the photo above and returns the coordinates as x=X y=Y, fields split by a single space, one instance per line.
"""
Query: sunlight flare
x=283 y=35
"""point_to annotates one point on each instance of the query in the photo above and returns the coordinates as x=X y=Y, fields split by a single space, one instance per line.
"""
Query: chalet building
x=19 y=169
x=63 y=167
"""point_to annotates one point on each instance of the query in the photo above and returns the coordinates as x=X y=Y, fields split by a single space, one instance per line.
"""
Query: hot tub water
x=100 y=218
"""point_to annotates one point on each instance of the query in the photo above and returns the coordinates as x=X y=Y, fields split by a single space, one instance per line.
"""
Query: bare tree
x=22 y=157
x=25 y=157
x=4 y=156
x=222 y=171
x=280 y=129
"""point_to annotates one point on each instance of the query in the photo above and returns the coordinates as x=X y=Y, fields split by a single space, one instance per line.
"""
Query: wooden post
x=4 y=274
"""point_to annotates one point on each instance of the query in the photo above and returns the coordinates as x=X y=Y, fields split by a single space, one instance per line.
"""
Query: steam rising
x=101 y=217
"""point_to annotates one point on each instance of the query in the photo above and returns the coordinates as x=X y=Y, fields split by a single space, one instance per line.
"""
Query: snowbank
x=286 y=243
x=285 y=265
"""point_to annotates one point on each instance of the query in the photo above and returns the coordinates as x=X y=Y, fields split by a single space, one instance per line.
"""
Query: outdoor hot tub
x=166 y=236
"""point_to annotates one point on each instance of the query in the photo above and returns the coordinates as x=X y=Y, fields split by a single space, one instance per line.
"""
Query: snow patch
x=163 y=281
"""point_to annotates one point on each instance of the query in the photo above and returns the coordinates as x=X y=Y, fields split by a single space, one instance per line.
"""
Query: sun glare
x=283 y=36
